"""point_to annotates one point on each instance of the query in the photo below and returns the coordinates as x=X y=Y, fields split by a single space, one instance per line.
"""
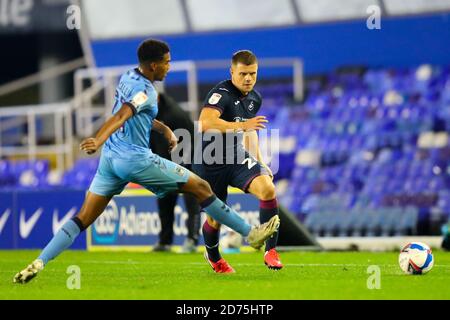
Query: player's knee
x=203 y=188
x=268 y=192
x=213 y=223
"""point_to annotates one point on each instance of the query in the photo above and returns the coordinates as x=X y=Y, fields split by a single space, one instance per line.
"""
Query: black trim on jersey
x=236 y=90
x=140 y=73
x=131 y=107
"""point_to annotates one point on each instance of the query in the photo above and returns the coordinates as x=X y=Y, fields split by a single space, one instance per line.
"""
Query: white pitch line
x=237 y=264
x=251 y=264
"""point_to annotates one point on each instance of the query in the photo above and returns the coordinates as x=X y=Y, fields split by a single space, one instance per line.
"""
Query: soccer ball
x=232 y=240
x=416 y=258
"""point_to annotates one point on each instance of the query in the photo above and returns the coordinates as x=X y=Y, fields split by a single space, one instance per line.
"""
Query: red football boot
x=272 y=260
x=220 y=266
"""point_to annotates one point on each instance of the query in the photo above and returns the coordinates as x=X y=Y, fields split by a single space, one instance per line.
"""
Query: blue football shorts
x=159 y=175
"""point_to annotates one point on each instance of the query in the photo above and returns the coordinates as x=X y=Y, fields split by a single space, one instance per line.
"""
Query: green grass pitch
x=170 y=276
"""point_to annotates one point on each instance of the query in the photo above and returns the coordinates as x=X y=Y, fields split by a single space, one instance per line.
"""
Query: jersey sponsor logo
x=215 y=98
x=250 y=163
x=237 y=103
x=26 y=226
x=239 y=119
x=139 y=99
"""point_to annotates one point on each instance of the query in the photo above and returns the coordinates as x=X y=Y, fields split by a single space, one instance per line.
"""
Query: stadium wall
x=29 y=219
x=401 y=42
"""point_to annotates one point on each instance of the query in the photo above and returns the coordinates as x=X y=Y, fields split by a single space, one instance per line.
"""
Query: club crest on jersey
x=251 y=106
x=139 y=99
x=215 y=98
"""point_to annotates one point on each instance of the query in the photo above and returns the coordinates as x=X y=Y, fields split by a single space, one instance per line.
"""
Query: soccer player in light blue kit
x=126 y=157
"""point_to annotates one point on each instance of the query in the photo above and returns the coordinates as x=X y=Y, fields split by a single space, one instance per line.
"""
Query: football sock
x=223 y=214
x=211 y=237
x=268 y=209
x=62 y=240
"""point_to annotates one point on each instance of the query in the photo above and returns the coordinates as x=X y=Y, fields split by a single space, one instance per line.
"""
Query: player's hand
x=255 y=123
x=171 y=139
x=90 y=145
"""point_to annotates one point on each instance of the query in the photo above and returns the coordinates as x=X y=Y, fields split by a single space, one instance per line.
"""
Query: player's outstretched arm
x=166 y=132
x=91 y=145
x=210 y=120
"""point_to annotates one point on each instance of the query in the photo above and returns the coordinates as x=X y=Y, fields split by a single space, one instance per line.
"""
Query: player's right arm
x=210 y=120
x=91 y=145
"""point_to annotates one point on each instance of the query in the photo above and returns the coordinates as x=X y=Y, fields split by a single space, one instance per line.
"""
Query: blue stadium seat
x=7 y=178
x=407 y=225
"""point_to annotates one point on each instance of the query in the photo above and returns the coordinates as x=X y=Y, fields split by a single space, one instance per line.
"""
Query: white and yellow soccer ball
x=231 y=240
x=416 y=258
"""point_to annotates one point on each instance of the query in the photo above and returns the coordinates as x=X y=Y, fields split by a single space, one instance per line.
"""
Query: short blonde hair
x=245 y=57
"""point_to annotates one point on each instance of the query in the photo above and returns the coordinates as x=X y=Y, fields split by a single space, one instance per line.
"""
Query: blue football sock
x=223 y=214
x=61 y=241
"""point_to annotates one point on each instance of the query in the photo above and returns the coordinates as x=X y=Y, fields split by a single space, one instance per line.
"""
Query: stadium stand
x=377 y=144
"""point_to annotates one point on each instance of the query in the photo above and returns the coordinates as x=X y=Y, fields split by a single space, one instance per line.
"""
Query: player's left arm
x=160 y=127
x=251 y=144
x=91 y=145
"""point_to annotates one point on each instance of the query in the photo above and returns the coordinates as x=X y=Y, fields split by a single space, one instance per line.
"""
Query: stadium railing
x=93 y=108
x=11 y=118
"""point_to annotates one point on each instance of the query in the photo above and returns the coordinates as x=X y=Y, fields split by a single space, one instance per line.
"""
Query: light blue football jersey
x=132 y=140
x=126 y=155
